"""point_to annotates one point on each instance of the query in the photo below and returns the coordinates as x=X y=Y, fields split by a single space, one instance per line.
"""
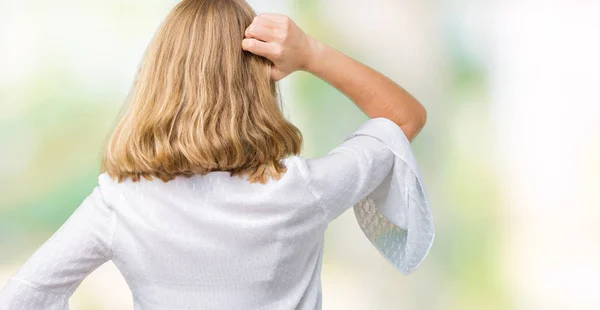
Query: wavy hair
x=199 y=103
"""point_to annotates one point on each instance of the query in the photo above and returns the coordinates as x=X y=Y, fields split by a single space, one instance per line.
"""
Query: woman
x=203 y=201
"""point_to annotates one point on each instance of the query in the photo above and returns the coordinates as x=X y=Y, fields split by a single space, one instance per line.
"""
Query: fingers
x=281 y=23
x=266 y=50
x=260 y=32
x=266 y=22
x=259 y=48
x=271 y=36
x=266 y=28
x=277 y=18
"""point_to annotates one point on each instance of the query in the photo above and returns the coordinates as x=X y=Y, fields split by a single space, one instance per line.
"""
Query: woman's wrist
x=314 y=56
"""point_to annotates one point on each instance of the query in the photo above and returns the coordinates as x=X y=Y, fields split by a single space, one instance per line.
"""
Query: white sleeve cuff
x=396 y=216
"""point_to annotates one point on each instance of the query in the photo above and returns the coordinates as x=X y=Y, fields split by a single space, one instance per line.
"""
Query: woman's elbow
x=414 y=125
x=422 y=118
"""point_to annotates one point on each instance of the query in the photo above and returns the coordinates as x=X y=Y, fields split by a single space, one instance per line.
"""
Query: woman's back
x=218 y=241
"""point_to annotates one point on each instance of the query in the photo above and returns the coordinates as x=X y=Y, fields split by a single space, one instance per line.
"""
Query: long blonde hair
x=200 y=103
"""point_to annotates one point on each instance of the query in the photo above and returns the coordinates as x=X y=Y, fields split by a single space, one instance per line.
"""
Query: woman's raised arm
x=279 y=39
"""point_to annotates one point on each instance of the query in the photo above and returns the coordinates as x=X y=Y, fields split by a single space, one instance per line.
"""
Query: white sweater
x=220 y=242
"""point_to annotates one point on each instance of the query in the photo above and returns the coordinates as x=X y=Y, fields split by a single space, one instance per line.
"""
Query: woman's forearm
x=375 y=94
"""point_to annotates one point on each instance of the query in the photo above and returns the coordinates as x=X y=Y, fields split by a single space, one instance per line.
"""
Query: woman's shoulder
x=296 y=171
x=106 y=182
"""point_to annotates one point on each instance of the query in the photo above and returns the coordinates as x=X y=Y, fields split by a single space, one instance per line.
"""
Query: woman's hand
x=277 y=38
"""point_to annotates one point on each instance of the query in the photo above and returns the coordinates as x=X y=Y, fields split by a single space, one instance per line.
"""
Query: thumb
x=257 y=47
x=277 y=74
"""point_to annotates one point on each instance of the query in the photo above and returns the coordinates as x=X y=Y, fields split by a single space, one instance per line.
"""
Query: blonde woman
x=204 y=201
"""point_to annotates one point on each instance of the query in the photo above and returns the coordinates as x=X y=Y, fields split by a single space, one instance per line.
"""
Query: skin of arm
x=277 y=38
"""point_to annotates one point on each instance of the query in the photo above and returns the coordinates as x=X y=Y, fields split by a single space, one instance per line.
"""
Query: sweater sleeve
x=375 y=171
x=50 y=276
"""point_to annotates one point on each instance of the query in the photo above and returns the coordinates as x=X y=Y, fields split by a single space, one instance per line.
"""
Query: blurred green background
x=510 y=154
